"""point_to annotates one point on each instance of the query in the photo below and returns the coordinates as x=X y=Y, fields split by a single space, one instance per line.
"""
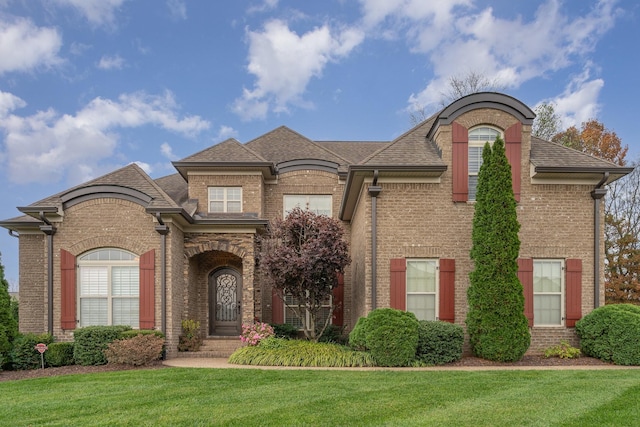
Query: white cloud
x=579 y=101
x=167 y=151
x=145 y=167
x=264 y=6
x=24 y=46
x=97 y=12
x=9 y=102
x=226 y=132
x=111 y=62
x=48 y=146
x=284 y=62
x=177 y=9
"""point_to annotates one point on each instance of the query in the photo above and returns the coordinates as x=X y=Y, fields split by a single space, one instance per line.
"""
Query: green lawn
x=198 y=397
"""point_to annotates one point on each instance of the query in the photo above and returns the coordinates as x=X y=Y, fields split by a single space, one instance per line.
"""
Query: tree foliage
x=302 y=256
x=8 y=321
x=496 y=324
x=595 y=139
x=547 y=122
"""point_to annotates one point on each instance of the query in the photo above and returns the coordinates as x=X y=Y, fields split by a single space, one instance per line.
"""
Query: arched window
x=478 y=137
x=109 y=288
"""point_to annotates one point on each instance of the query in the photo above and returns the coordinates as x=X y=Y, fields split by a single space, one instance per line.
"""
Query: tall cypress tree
x=496 y=324
x=8 y=323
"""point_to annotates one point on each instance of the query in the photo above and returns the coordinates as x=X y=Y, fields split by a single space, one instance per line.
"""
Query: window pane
x=125 y=281
x=234 y=207
x=234 y=193
x=547 y=309
x=547 y=276
x=126 y=311
x=216 y=207
x=93 y=312
x=321 y=205
x=216 y=193
x=483 y=134
x=473 y=184
x=93 y=281
x=421 y=276
x=475 y=159
x=423 y=306
x=292 y=201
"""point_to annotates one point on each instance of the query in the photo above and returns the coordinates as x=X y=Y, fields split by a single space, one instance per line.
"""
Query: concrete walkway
x=222 y=363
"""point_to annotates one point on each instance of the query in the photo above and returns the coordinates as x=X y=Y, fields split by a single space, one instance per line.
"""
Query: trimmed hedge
x=284 y=330
x=24 y=355
x=439 y=342
x=91 y=341
x=125 y=335
x=610 y=333
x=392 y=336
x=59 y=354
x=139 y=350
x=357 y=337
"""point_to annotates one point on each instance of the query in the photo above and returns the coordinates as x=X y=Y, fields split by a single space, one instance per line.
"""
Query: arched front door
x=225 y=295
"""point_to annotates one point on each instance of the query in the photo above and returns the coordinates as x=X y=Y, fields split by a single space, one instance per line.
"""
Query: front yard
x=180 y=396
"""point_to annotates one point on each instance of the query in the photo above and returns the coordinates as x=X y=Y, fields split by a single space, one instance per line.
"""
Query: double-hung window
x=422 y=286
x=319 y=204
x=292 y=319
x=478 y=137
x=225 y=199
x=548 y=292
x=109 y=288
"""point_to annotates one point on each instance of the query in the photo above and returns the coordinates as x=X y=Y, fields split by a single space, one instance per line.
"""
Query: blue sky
x=88 y=86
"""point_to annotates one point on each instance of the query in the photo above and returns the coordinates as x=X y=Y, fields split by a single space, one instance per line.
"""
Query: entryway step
x=215 y=347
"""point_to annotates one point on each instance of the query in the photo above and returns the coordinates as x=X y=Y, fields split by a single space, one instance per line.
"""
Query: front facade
x=127 y=249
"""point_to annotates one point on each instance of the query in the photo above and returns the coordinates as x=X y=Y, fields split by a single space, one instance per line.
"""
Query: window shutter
x=447 y=290
x=399 y=284
x=460 y=162
x=513 y=148
x=338 y=302
x=573 y=297
x=525 y=274
x=147 y=289
x=277 y=308
x=68 y=290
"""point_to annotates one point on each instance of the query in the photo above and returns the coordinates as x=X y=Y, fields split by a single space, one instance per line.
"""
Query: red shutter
x=68 y=290
x=447 y=290
x=573 y=297
x=277 y=308
x=399 y=284
x=525 y=274
x=460 y=162
x=513 y=147
x=338 y=302
x=147 y=289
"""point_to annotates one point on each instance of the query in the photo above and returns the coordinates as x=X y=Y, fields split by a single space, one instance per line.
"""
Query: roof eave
x=267 y=168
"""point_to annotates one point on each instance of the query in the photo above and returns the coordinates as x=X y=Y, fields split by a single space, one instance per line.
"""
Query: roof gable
x=228 y=151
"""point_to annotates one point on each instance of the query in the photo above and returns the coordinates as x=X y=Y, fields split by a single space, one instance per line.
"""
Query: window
x=290 y=317
x=548 y=292
x=478 y=137
x=319 y=204
x=422 y=285
x=109 y=288
x=225 y=199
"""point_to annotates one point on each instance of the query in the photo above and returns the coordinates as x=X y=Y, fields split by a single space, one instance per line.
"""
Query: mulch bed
x=467 y=361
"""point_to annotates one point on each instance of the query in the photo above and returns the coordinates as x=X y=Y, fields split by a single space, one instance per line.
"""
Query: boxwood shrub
x=91 y=341
x=24 y=355
x=357 y=337
x=392 y=336
x=59 y=354
x=439 y=342
x=610 y=333
x=284 y=330
x=125 y=335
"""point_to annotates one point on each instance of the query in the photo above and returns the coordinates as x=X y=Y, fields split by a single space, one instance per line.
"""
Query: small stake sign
x=41 y=347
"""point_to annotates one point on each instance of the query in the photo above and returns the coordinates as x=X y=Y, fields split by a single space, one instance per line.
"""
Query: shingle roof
x=551 y=154
x=227 y=151
x=353 y=151
x=175 y=186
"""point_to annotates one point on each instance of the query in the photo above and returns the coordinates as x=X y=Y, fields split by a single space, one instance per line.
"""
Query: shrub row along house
x=128 y=249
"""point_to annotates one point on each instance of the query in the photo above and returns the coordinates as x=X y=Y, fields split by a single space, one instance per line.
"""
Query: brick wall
x=33 y=283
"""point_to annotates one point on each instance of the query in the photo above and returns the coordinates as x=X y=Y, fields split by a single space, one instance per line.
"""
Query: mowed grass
x=246 y=397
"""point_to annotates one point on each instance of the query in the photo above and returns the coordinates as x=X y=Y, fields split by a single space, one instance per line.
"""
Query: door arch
x=225 y=302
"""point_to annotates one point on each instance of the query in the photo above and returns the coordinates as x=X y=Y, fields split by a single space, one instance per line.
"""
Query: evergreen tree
x=8 y=323
x=496 y=324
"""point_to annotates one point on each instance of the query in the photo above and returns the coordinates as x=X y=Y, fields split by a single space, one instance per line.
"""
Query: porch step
x=215 y=347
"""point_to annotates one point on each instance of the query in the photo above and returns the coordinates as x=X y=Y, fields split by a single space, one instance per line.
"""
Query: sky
x=89 y=86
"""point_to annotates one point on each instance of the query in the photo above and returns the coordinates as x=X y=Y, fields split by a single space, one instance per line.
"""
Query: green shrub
x=564 y=350
x=136 y=351
x=392 y=336
x=91 y=341
x=335 y=334
x=439 y=342
x=285 y=352
x=610 y=333
x=357 y=337
x=24 y=355
x=59 y=354
x=135 y=332
x=284 y=330
x=190 y=339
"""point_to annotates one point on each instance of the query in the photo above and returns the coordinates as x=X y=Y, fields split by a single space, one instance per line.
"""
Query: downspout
x=597 y=194
x=163 y=230
x=49 y=230
x=374 y=190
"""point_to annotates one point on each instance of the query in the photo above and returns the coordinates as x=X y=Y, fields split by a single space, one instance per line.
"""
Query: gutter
x=163 y=230
x=48 y=229
x=598 y=193
x=374 y=190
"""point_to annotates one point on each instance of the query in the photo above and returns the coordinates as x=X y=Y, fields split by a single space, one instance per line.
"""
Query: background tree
x=302 y=256
x=595 y=139
x=8 y=323
x=496 y=324
x=547 y=122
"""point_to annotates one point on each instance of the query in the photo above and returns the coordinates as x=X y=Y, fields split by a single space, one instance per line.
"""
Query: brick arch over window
x=127 y=244
x=215 y=245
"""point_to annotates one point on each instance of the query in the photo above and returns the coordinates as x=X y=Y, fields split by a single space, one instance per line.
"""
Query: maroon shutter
x=338 y=302
x=399 y=284
x=513 y=148
x=147 y=289
x=277 y=308
x=447 y=290
x=573 y=297
x=460 y=162
x=68 y=290
x=525 y=274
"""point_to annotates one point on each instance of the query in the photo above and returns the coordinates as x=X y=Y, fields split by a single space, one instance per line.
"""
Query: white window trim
x=562 y=293
x=225 y=199
x=480 y=144
x=308 y=196
x=437 y=284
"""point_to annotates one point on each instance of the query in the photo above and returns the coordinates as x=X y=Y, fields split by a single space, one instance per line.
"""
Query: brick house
x=127 y=249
